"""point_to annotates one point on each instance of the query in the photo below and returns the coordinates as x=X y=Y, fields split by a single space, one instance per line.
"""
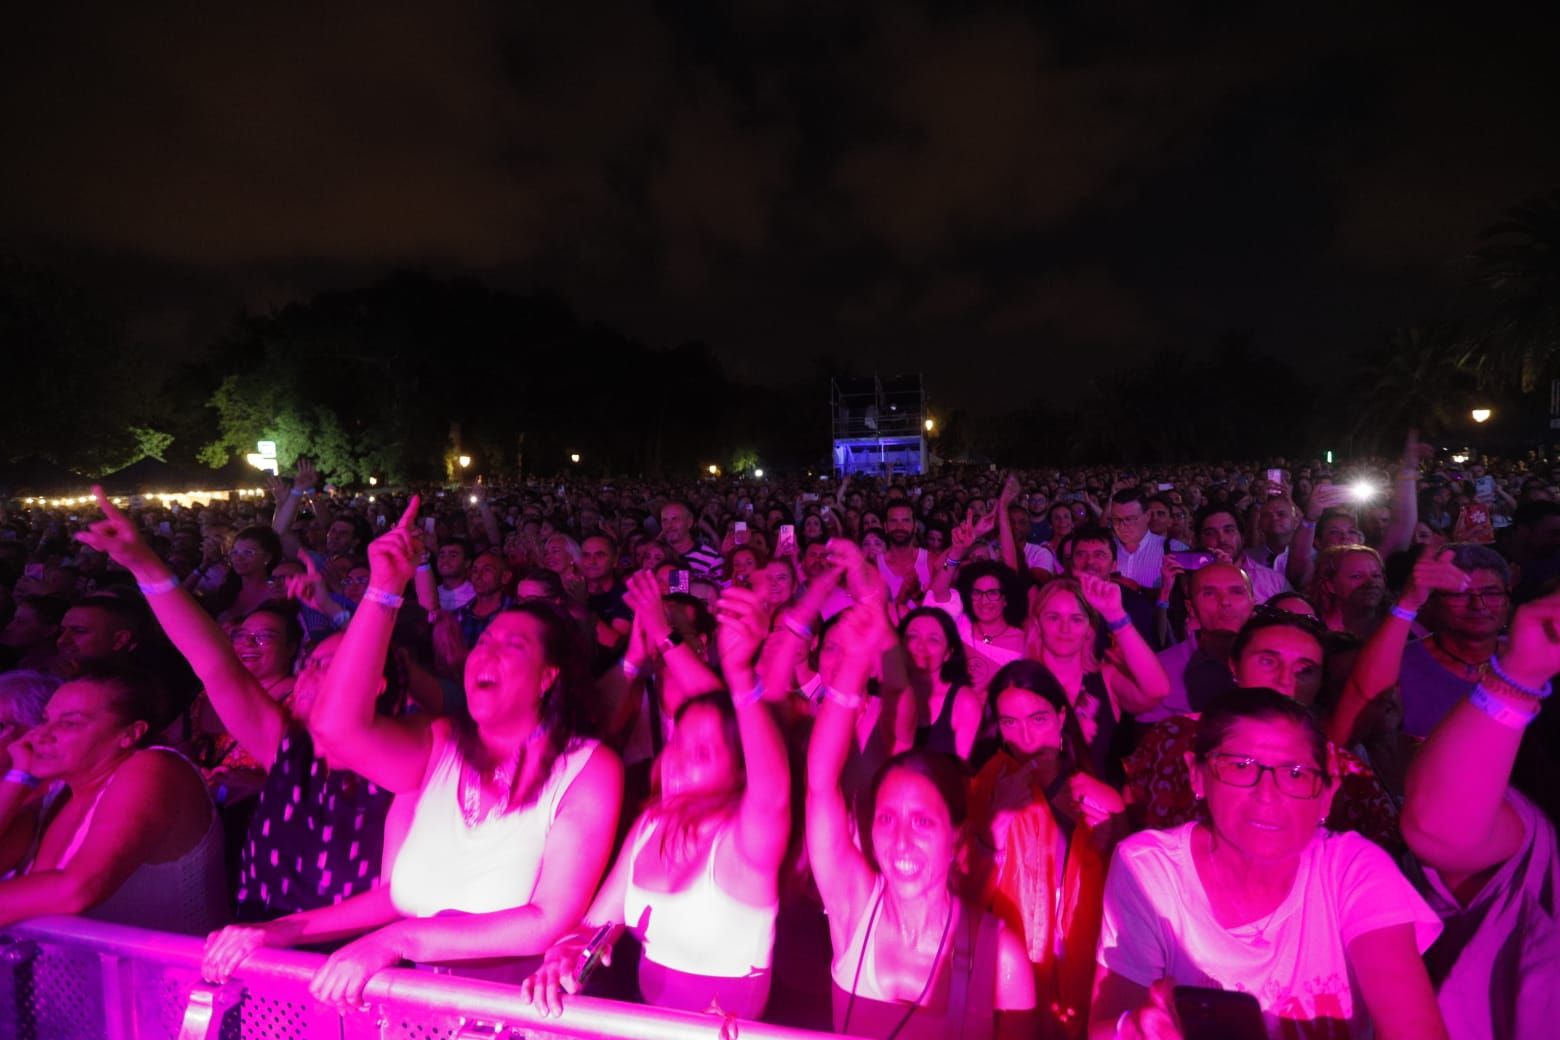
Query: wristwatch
x=671 y=640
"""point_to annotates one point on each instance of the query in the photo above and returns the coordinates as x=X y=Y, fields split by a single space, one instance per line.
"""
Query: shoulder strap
x=971 y=998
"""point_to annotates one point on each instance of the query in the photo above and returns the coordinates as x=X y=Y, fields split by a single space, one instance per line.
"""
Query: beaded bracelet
x=1117 y=625
x=157 y=588
x=1501 y=712
x=1500 y=673
x=383 y=598
x=1403 y=613
x=20 y=776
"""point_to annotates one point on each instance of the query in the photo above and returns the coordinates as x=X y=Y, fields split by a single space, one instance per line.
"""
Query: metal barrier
x=69 y=978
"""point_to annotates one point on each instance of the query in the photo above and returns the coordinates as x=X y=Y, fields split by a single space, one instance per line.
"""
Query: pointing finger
x=409 y=518
x=110 y=511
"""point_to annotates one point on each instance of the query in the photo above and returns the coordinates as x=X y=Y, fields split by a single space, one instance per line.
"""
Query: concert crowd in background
x=899 y=756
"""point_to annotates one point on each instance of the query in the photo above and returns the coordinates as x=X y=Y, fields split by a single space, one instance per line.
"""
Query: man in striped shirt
x=677 y=535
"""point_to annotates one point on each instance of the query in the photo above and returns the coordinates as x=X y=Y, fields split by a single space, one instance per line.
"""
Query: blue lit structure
x=878 y=422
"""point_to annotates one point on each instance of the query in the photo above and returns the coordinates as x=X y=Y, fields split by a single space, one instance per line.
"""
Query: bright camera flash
x=1362 y=491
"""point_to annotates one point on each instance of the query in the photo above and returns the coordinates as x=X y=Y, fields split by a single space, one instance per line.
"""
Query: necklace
x=1470 y=669
x=503 y=776
x=986 y=638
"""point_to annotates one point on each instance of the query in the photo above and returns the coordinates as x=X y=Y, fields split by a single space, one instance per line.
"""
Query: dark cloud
x=967 y=188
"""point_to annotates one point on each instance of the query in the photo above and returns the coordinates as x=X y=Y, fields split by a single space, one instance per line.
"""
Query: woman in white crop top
x=697 y=880
x=122 y=833
x=500 y=827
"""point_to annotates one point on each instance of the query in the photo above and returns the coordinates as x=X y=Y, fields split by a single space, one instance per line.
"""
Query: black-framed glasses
x=1492 y=597
x=1294 y=780
x=986 y=593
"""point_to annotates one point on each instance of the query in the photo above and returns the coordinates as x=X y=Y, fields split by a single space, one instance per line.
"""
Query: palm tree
x=1520 y=264
x=1419 y=379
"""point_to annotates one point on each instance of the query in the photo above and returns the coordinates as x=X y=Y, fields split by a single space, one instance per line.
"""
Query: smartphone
x=1275 y=476
x=1192 y=559
x=590 y=957
x=810 y=496
x=678 y=581
x=379 y=521
x=428 y=523
x=785 y=545
x=739 y=531
x=1165 y=487
x=164 y=528
x=1218 y=1014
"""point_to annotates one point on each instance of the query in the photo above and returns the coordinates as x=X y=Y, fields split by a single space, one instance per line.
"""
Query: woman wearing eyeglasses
x=1320 y=927
x=255 y=552
x=265 y=642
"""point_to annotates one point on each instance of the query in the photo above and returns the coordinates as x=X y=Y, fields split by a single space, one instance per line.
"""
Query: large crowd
x=1106 y=753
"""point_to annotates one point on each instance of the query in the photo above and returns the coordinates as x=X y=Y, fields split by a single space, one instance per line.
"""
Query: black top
x=316 y=838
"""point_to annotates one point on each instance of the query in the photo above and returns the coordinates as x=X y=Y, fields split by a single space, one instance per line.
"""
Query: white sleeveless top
x=700 y=930
x=446 y=865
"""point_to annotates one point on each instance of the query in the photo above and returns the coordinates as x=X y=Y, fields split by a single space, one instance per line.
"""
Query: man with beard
x=1218 y=531
x=906 y=567
x=1220 y=600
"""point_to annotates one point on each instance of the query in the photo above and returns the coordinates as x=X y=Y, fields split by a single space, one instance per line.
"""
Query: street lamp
x=759 y=474
x=464 y=460
x=574 y=457
x=1481 y=415
x=931 y=424
x=373 y=481
x=714 y=470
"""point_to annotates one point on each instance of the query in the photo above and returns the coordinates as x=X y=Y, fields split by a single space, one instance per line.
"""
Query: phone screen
x=678 y=581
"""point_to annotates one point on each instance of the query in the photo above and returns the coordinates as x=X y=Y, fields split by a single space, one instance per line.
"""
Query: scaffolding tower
x=878 y=422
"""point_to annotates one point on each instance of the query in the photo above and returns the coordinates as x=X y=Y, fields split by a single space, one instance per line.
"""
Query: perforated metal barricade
x=68 y=978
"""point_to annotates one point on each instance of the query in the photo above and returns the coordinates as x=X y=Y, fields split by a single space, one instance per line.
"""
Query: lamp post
x=464 y=460
x=1481 y=415
x=574 y=457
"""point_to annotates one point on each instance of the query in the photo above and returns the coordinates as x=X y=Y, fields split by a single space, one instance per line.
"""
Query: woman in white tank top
x=501 y=826
x=697 y=881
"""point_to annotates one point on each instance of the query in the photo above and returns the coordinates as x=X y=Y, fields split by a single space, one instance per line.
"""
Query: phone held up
x=1192 y=559
x=678 y=581
x=785 y=544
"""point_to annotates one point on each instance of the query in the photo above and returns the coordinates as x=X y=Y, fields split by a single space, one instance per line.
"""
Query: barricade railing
x=70 y=978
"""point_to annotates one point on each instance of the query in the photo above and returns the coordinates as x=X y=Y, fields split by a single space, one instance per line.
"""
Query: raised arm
x=843 y=876
x=255 y=720
x=684 y=668
x=1302 y=555
x=1405 y=496
x=1456 y=818
x=287 y=503
x=392 y=752
x=764 y=816
x=1380 y=661
x=1010 y=493
x=1142 y=682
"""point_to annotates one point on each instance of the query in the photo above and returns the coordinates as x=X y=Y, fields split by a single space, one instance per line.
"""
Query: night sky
x=1011 y=201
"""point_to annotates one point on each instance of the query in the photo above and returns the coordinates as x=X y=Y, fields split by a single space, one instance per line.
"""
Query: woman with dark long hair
x=1042 y=827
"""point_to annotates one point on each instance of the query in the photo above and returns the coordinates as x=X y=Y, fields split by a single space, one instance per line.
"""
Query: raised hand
x=1433 y=572
x=308 y=478
x=1532 y=657
x=309 y=588
x=393 y=556
x=1011 y=489
x=1103 y=595
x=643 y=597
x=743 y=623
x=1323 y=498
x=117 y=536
